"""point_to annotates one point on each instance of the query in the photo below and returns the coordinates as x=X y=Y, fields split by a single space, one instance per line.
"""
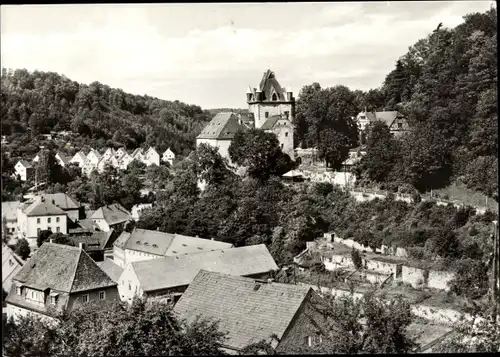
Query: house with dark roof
x=24 y=170
x=143 y=244
x=111 y=268
x=220 y=131
x=58 y=277
x=62 y=159
x=96 y=244
x=79 y=159
x=168 y=277
x=249 y=310
x=168 y=156
x=282 y=127
x=38 y=215
x=396 y=122
x=112 y=216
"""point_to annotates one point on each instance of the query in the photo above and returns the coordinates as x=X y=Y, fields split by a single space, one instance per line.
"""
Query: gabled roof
x=96 y=241
x=26 y=164
x=166 y=244
x=168 y=152
x=222 y=126
x=112 y=214
x=11 y=265
x=61 y=200
x=9 y=209
x=79 y=155
x=247 y=310
x=42 y=207
x=136 y=152
x=387 y=117
x=62 y=268
x=122 y=240
x=111 y=268
x=96 y=153
x=181 y=270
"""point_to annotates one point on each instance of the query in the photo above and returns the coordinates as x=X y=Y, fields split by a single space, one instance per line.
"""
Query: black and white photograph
x=261 y=178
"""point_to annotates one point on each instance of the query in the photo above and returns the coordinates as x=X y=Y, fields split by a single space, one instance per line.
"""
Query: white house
x=137 y=210
x=79 y=159
x=62 y=159
x=23 y=169
x=120 y=152
x=40 y=215
x=9 y=216
x=108 y=154
x=124 y=160
x=88 y=167
x=94 y=157
x=66 y=203
x=168 y=156
x=151 y=157
x=144 y=244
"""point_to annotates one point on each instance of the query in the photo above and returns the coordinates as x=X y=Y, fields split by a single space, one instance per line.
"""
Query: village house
x=108 y=154
x=120 y=152
x=251 y=311
x=65 y=202
x=396 y=122
x=97 y=244
x=57 y=277
x=38 y=215
x=138 y=155
x=138 y=209
x=94 y=157
x=79 y=159
x=62 y=160
x=151 y=157
x=11 y=264
x=168 y=156
x=143 y=244
x=113 y=216
x=9 y=217
x=385 y=265
x=24 y=170
x=167 y=278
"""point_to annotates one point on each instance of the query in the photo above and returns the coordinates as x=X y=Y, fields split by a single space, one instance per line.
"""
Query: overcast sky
x=208 y=54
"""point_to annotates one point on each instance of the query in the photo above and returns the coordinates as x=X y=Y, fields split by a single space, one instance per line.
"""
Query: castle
x=270 y=108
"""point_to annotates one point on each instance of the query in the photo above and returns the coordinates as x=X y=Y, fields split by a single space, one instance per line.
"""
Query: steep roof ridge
x=76 y=268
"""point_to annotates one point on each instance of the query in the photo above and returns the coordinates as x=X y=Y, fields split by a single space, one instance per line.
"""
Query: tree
x=157 y=175
x=60 y=238
x=23 y=249
x=333 y=147
x=211 y=166
x=42 y=237
x=259 y=152
x=471 y=279
x=356 y=258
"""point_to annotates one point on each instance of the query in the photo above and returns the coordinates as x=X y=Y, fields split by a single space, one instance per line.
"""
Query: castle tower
x=273 y=110
x=270 y=99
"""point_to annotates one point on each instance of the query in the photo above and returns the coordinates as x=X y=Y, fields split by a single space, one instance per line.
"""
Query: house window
x=129 y=286
x=266 y=114
x=19 y=290
x=38 y=231
x=102 y=295
x=57 y=219
x=85 y=298
x=53 y=300
x=58 y=229
x=48 y=220
x=282 y=146
x=400 y=125
x=38 y=220
x=286 y=133
x=309 y=341
x=49 y=229
x=275 y=97
x=287 y=113
x=10 y=262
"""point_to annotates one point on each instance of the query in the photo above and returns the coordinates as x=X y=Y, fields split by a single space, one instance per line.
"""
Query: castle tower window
x=286 y=133
x=275 y=97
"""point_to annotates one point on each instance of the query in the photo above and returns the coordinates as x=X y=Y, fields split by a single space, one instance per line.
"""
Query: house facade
x=168 y=156
x=24 y=170
x=39 y=215
x=9 y=217
x=282 y=315
x=79 y=159
x=396 y=122
x=151 y=157
x=65 y=202
x=168 y=277
x=11 y=265
x=57 y=277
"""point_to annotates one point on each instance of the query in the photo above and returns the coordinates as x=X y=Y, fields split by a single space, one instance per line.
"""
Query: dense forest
x=446 y=86
x=97 y=115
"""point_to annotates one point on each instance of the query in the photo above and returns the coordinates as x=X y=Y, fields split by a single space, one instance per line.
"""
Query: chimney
x=210 y=238
x=80 y=245
x=51 y=240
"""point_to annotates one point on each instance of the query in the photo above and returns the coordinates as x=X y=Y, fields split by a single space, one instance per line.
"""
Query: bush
x=22 y=249
x=471 y=279
x=356 y=259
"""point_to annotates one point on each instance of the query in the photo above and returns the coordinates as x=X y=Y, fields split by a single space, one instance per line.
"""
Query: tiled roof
x=79 y=155
x=161 y=243
x=62 y=268
x=267 y=82
x=9 y=209
x=96 y=241
x=222 y=126
x=87 y=224
x=247 y=310
x=41 y=207
x=386 y=117
x=111 y=268
x=112 y=214
x=180 y=270
x=122 y=240
x=63 y=158
x=270 y=122
x=62 y=200
x=26 y=164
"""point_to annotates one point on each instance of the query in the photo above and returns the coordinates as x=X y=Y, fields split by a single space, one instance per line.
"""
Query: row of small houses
x=197 y=276
x=94 y=160
x=389 y=263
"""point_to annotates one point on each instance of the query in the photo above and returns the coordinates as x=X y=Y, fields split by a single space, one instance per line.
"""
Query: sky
x=208 y=54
